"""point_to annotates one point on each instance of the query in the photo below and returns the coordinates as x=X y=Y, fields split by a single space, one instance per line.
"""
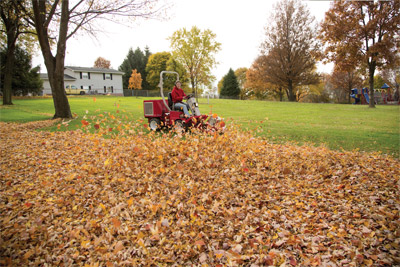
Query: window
x=107 y=76
x=85 y=75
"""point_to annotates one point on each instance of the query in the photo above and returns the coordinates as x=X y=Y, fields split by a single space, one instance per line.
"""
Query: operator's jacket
x=177 y=95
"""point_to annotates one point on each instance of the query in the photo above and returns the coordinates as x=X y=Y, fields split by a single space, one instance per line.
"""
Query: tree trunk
x=8 y=72
x=291 y=96
x=371 y=84
x=60 y=100
x=397 y=93
x=193 y=86
x=11 y=28
x=54 y=65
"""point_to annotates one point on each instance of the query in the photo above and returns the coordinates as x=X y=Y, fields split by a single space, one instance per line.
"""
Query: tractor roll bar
x=161 y=85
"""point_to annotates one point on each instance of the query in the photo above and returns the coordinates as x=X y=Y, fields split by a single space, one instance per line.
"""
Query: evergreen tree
x=25 y=79
x=230 y=85
x=135 y=60
x=147 y=54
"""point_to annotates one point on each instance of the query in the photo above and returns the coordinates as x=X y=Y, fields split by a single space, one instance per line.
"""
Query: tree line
x=359 y=37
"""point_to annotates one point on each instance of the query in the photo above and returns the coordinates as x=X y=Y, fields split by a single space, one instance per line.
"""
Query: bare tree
x=290 y=47
x=57 y=20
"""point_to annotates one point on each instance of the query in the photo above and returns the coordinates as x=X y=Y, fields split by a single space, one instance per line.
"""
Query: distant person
x=177 y=96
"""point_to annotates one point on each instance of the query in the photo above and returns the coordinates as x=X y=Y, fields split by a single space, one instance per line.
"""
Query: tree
x=392 y=76
x=102 y=63
x=362 y=33
x=135 y=60
x=290 y=48
x=378 y=81
x=315 y=93
x=135 y=81
x=241 y=78
x=25 y=79
x=164 y=61
x=57 y=20
x=230 y=86
x=342 y=82
x=195 y=50
x=256 y=79
x=258 y=82
x=12 y=14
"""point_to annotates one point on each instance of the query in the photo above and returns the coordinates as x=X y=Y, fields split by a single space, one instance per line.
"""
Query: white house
x=92 y=80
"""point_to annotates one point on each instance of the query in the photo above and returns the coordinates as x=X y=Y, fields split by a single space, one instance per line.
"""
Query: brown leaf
x=118 y=247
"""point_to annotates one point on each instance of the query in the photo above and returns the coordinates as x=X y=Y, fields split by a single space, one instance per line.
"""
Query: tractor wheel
x=179 y=126
x=155 y=124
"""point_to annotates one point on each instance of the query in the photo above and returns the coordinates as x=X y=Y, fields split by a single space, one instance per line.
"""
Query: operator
x=177 y=96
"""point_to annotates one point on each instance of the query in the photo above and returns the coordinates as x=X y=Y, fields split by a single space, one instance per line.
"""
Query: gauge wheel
x=155 y=124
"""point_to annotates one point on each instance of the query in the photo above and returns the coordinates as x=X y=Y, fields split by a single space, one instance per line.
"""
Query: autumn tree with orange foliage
x=362 y=33
x=135 y=81
x=258 y=80
x=102 y=63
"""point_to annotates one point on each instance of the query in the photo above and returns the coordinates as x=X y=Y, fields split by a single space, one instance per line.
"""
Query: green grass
x=347 y=127
x=337 y=126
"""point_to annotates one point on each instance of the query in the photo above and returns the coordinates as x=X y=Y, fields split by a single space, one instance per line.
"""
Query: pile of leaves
x=140 y=199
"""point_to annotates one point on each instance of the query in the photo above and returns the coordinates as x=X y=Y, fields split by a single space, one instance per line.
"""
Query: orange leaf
x=200 y=243
x=116 y=223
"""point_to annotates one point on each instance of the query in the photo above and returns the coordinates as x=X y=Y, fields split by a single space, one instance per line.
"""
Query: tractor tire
x=82 y=93
x=155 y=124
x=179 y=126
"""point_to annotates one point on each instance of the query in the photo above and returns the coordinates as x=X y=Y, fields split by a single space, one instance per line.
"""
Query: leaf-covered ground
x=72 y=198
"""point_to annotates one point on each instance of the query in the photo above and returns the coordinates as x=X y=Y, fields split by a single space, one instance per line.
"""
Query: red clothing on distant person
x=177 y=95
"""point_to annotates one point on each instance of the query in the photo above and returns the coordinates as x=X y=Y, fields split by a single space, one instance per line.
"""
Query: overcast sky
x=238 y=25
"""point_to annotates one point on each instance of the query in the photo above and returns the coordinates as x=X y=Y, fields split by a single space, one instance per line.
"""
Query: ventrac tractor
x=162 y=113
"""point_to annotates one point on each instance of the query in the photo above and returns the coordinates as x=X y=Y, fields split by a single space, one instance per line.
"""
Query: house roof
x=45 y=76
x=84 y=69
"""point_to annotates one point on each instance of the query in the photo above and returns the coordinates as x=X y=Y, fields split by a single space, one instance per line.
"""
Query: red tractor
x=162 y=113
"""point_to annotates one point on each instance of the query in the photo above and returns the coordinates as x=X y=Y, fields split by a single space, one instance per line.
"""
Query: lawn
x=346 y=127
x=69 y=198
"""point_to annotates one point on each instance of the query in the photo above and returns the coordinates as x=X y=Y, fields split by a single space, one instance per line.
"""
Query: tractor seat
x=171 y=103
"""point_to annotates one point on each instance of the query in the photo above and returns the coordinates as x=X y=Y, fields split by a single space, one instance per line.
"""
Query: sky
x=239 y=27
